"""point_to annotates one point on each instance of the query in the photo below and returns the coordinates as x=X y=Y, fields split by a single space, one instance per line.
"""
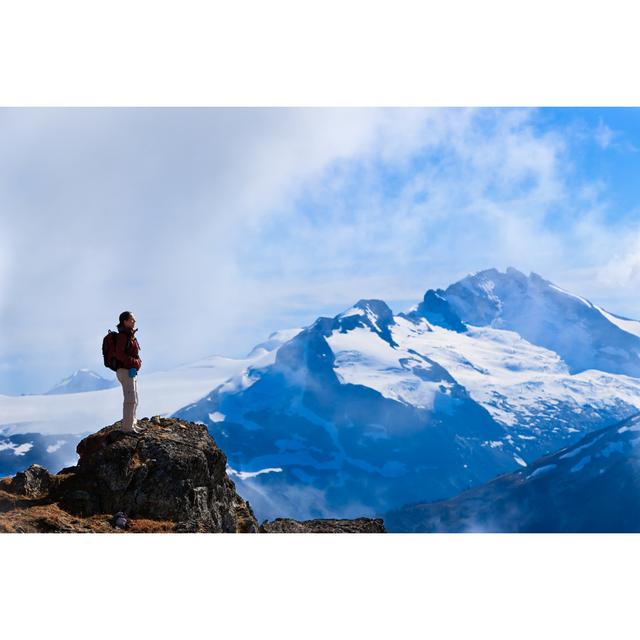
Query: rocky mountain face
x=170 y=477
x=592 y=486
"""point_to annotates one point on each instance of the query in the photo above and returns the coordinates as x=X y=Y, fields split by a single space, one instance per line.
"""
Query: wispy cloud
x=103 y=210
x=217 y=226
x=477 y=188
x=603 y=134
x=607 y=138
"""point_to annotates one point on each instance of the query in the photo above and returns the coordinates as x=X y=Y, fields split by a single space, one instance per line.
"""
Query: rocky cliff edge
x=171 y=477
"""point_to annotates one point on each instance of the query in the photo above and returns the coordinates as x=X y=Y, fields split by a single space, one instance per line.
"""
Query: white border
x=319 y=53
x=334 y=52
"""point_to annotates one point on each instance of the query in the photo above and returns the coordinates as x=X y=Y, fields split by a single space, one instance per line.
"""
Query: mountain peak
x=371 y=313
x=494 y=273
x=377 y=307
x=82 y=380
x=275 y=340
x=546 y=315
x=435 y=309
x=536 y=277
x=512 y=271
x=509 y=274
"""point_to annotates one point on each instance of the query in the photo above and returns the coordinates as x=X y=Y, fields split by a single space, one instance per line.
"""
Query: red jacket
x=128 y=358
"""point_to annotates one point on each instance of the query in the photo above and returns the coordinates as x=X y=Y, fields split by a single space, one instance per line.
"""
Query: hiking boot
x=137 y=424
x=134 y=429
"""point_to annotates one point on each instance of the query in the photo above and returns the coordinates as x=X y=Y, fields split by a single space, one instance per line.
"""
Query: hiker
x=128 y=363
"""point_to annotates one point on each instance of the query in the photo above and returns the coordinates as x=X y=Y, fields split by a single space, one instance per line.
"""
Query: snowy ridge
x=626 y=324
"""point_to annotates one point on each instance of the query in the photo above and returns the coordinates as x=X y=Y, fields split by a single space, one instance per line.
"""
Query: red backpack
x=109 y=350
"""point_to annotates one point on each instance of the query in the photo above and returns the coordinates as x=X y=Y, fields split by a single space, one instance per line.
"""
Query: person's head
x=126 y=320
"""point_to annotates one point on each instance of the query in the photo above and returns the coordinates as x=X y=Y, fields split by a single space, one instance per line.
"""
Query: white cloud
x=145 y=210
x=219 y=226
x=52 y=448
x=603 y=134
x=18 y=449
x=496 y=192
x=475 y=213
x=606 y=138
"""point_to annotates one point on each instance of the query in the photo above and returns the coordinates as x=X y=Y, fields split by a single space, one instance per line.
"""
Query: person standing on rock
x=128 y=362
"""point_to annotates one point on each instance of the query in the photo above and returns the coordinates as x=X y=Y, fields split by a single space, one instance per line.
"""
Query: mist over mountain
x=365 y=409
x=368 y=411
x=592 y=486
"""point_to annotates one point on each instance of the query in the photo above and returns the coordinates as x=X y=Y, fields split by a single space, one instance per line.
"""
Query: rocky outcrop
x=32 y=483
x=170 y=477
x=323 y=525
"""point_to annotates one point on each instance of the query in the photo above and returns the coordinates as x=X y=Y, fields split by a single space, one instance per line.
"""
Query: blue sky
x=218 y=226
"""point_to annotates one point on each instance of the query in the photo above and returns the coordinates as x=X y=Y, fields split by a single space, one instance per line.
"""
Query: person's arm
x=138 y=361
x=123 y=357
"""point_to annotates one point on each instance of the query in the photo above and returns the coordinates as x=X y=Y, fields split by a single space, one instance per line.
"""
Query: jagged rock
x=34 y=482
x=172 y=472
x=323 y=525
x=170 y=477
x=119 y=520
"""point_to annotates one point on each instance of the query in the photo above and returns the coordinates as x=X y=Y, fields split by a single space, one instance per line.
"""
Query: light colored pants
x=130 y=404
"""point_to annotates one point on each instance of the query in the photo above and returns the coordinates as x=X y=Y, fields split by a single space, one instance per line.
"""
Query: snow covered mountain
x=317 y=436
x=584 y=335
x=80 y=381
x=591 y=486
x=369 y=410
x=361 y=411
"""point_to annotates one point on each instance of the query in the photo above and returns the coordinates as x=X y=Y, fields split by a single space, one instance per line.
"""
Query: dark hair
x=125 y=315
